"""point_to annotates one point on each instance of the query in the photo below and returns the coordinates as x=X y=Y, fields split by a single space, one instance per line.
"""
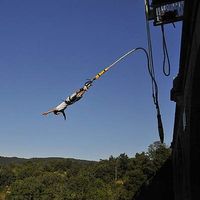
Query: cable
x=152 y=73
x=166 y=66
x=154 y=90
x=115 y=62
x=154 y=84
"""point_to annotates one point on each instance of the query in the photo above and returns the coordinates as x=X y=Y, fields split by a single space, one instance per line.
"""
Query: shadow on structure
x=160 y=187
x=185 y=161
x=186 y=94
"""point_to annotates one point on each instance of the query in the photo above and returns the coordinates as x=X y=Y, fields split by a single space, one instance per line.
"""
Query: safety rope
x=152 y=72
x=166 y=63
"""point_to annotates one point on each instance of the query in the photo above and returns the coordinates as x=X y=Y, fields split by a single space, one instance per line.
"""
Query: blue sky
x=48 y=48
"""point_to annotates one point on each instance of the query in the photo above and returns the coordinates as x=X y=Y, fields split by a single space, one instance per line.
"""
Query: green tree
x=158 y=153
x=27 y=189
x=105 y=170
x=6 y=176
x=122 y=165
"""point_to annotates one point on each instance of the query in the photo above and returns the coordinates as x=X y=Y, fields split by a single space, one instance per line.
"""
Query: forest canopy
x=115 y=178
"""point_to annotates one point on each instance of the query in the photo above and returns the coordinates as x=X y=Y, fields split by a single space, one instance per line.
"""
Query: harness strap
x=72 y=99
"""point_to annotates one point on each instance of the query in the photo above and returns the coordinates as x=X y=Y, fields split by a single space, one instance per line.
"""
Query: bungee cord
x=153 y=79
x=150 y=69
x=113 y=64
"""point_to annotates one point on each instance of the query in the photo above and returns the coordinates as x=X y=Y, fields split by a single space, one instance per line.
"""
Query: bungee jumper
x=76 y=96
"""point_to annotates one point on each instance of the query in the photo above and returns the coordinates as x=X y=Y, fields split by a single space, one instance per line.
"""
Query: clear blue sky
x=48 y=48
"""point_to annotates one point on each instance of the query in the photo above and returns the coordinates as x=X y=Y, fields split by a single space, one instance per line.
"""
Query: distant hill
x=11 y=160
x=16 y=160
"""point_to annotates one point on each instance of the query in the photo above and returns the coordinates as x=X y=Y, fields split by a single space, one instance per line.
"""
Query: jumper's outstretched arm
x=49 y=111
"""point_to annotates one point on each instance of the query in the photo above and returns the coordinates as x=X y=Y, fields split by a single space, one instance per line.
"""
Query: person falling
x=76 y=96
